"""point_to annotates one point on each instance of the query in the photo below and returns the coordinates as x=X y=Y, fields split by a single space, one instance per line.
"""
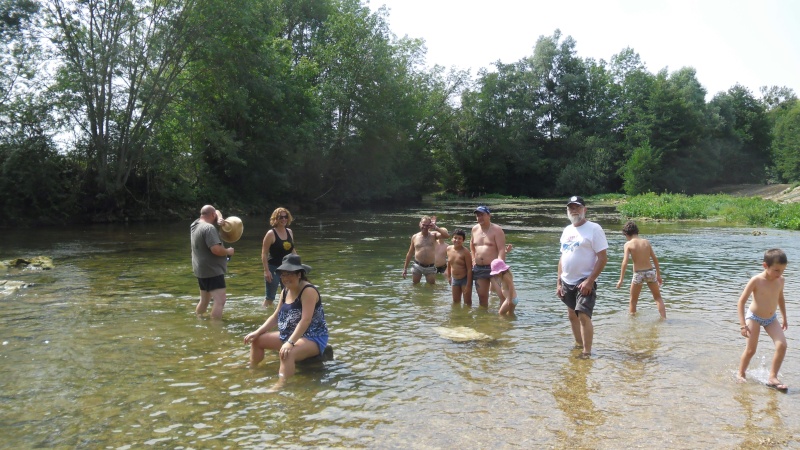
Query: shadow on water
x=105 y=351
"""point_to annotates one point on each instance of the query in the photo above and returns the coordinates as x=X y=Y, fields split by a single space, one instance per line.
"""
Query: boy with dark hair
x=767 y=290
x=641 y=252
x=459 y=268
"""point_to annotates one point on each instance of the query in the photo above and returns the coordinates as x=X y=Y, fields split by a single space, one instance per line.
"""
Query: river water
x=105 y=351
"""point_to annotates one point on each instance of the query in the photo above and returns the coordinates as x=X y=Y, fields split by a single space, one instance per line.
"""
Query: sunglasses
x=283 y=217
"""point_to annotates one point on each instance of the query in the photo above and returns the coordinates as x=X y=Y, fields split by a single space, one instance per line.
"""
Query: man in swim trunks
x=422 y=249
x=583 y=257
x=641 y=252
x=767 y=291
x=209 y=261
x=487 y=244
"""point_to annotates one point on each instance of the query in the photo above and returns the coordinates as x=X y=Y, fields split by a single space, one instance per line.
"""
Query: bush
x=740 y=210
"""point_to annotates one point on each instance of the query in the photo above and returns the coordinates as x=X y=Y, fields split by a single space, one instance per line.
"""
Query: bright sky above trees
x=753 y=43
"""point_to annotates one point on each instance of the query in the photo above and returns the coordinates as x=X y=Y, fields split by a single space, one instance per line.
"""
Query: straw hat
x=231 y=229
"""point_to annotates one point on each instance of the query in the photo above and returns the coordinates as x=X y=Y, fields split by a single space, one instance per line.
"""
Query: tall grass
x=741 y=210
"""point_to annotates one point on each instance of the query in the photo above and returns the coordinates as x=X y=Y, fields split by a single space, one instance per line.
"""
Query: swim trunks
x=481 y=272
x=459 y=281
x=647 y=275
x=515 y=301
x=441 y=269
x=424 y=269
x=763 y=322
x=211 y=283
x=574 y=299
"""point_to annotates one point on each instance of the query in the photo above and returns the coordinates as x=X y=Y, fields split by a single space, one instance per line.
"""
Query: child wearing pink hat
x=504 y=280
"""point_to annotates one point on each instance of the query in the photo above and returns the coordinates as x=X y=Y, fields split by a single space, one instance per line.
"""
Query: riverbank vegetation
x=736 y=210
x=133 y=109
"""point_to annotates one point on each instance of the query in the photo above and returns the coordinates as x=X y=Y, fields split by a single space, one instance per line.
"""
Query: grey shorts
x=458 y=281
x=481 y=272
x=423 y=269
x=573 y=298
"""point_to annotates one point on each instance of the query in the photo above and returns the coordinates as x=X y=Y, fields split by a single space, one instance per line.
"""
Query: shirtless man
x=641 y=252
x=423 y=247
x=441 y=248
x=488 y=243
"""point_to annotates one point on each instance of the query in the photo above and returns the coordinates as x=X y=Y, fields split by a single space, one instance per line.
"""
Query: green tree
x=744 y=135
x=786 y=146
x=642 y=170
x=119 y=60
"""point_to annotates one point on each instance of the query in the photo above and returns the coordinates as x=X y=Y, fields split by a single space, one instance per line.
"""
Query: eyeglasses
x=283 y=217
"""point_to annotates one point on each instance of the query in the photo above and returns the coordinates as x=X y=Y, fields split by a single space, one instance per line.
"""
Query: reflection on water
x=105 y=351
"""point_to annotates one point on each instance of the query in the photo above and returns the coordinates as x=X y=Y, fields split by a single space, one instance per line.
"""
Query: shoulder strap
x=284 y=293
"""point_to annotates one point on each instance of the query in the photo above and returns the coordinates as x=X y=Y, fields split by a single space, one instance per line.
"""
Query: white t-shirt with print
x=579 y=248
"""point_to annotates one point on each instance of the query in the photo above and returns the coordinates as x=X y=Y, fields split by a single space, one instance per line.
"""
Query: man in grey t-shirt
x=209 y=261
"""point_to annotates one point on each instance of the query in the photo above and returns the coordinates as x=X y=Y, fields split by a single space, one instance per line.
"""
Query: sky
x=753 y=43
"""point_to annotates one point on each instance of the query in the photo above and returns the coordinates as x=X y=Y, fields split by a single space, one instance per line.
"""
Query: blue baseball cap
x=483 y=209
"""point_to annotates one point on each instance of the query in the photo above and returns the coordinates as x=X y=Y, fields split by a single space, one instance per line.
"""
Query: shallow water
x=105 y=351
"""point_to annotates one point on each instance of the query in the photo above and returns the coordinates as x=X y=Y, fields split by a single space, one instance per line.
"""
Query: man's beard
x=575 y=219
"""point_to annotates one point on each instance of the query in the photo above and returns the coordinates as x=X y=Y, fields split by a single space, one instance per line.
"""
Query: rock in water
x=461 y=334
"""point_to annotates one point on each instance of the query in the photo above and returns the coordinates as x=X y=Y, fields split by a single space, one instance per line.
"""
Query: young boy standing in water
x=767 y=290
x=641 y=252
x=459 y=268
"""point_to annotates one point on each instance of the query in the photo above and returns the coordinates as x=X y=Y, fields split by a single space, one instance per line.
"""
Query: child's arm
x=655 y=264
x=740 y=307
x=447 y=271
x=468 y=266
x=782 y=306
x=624 y=265
x=498 y=288
x=408 y=257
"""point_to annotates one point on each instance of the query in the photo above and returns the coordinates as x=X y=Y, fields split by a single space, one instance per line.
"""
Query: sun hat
x=577 y=200
x=291 y=263
x=498 y=266
x=482 y=209
x=231 y=229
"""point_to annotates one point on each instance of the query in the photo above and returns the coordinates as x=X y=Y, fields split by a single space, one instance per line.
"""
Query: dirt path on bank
x=782 y=193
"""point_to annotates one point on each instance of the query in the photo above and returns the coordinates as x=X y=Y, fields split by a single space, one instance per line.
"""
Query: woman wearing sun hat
x=302 y=331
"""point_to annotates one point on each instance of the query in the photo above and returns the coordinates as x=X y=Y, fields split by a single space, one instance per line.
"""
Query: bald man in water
x=209 y=261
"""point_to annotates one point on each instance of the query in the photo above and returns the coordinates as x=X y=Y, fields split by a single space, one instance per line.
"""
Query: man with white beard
x=583 y=257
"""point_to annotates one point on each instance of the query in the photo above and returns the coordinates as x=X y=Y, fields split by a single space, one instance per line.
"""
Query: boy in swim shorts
x=459 y=268
x=641 y=252
x=767 y=290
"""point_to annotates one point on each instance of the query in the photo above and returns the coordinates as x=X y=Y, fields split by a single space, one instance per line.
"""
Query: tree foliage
x=143 y=106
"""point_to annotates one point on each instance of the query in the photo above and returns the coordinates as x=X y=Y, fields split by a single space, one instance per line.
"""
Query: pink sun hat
x=498 y=266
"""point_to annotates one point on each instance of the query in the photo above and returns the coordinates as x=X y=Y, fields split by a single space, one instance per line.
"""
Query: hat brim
x=575 y=203
x=293 y=268
x=231 y=229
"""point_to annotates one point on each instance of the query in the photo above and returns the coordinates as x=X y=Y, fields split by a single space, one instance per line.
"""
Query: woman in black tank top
x=278 y=242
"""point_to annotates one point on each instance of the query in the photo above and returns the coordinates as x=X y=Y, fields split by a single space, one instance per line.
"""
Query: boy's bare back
x=641 y=252
x=459 y=260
